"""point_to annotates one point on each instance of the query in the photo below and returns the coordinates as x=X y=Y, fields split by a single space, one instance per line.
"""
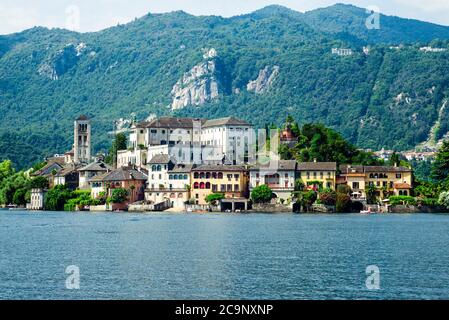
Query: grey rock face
x=60 y=62
x=264 y=81
x=197 y=86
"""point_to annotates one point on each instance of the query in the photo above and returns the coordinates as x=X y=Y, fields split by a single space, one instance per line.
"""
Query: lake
x=223 y=256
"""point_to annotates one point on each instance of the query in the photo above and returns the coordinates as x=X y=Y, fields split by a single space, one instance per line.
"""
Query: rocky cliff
x=264 y=81
x=197 y=86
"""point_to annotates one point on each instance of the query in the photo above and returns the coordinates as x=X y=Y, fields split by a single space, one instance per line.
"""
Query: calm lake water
x=223 y=256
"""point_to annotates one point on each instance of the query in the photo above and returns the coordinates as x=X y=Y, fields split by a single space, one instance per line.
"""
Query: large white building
x=188 y=140
x=168 y=181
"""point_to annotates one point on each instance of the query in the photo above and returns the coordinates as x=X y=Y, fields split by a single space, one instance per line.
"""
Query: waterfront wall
x=271 y=208
x=416 y=209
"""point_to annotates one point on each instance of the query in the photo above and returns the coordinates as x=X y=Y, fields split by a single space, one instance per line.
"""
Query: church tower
x=81 y=145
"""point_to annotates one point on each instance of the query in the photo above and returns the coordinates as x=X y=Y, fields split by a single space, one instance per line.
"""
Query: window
x=202 y=185
x=223 y=188
x=196 y=175
x=229 y=188
x=355 y=185
x=207 y=185
x=220 y=175
x=170 y=177
x=195 y=185
x=398 y=176
x=236 y=177
x=207 y=175
x=236 y=188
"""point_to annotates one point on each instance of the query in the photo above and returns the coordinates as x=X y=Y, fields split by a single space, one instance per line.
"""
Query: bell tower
x=81 y=145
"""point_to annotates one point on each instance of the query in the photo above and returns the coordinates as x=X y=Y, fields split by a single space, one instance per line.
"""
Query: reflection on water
x=223 y=256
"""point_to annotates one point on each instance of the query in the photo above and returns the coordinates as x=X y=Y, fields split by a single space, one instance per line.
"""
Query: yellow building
x=318 y=174
x=388 y=180
x=232 y=181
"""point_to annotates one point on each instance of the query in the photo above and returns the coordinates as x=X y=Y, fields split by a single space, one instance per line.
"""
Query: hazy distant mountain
x=260 y=66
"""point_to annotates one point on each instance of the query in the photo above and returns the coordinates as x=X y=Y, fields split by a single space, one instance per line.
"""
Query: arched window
x=175 y=177
x=371 y=175
x=196 y=185
x=214 y=175
x=180 y=196
x=220 y=175
x=207 y=175
x=153 y=167
x=202 y=175
x=170 y=177
x=202 y=185
x=207 y=185
x=196 y=175
x=172 y=195
x=158 y=168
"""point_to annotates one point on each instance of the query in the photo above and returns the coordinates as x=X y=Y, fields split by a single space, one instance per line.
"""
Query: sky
x=94 y=15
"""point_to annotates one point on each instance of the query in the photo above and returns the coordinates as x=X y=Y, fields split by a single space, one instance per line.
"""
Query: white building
x=168 y=181
x=37 y=199
x=91 y=170
x=280 y=178
x=230 y=140
x=82 y=137
x=188 y=140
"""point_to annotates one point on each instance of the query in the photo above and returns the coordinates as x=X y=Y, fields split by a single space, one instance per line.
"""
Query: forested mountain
x=261 y=67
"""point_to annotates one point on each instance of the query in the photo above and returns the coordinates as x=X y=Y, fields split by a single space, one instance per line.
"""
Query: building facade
x=37 y=199
x=318 y=174
x=386 y=180
x=230 y=180
x=82 y=140
x=280 y=177
x=91 y=170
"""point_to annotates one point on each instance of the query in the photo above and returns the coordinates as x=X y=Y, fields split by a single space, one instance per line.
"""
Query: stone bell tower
x=81 y=145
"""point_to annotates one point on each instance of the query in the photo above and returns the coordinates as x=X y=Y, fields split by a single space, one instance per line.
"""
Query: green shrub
x=402 y=200
x=262 y=194
x=214 y=198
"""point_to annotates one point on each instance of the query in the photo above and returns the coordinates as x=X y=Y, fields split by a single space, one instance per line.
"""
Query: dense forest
x=391 y=97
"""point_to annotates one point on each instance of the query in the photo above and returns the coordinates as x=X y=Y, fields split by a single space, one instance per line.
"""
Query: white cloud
x=13 y=18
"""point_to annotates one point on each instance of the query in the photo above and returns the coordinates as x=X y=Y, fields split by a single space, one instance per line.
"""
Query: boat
x=369 y=211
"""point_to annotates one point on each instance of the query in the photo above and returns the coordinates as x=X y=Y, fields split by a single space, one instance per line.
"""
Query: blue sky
x=17 y=15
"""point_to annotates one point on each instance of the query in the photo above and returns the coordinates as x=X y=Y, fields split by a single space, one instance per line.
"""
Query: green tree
x=262 y=194
x=213 y=198
x=443 y=199
x=440 y=167
x=39 y=183
x=119 y=195
x=343 y=203
x=328 y=197
x=119 y=143
x=56 y=198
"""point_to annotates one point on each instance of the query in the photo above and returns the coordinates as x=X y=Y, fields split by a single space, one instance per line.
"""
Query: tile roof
x=121 y=174
x=318 y=166
x=225 y=121
x=219 y=167
x=48 y=168
x=82 y=118
x=368 y=169
x=96 y=166
x=281 y=165
x=160 y=158
x=169 y=122
x=182 y=168
x=402 y=186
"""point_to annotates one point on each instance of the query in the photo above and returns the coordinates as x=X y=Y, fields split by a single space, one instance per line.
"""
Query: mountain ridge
x=50 y=76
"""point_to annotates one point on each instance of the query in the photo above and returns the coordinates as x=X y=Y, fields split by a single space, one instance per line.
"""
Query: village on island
x=211 y=165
